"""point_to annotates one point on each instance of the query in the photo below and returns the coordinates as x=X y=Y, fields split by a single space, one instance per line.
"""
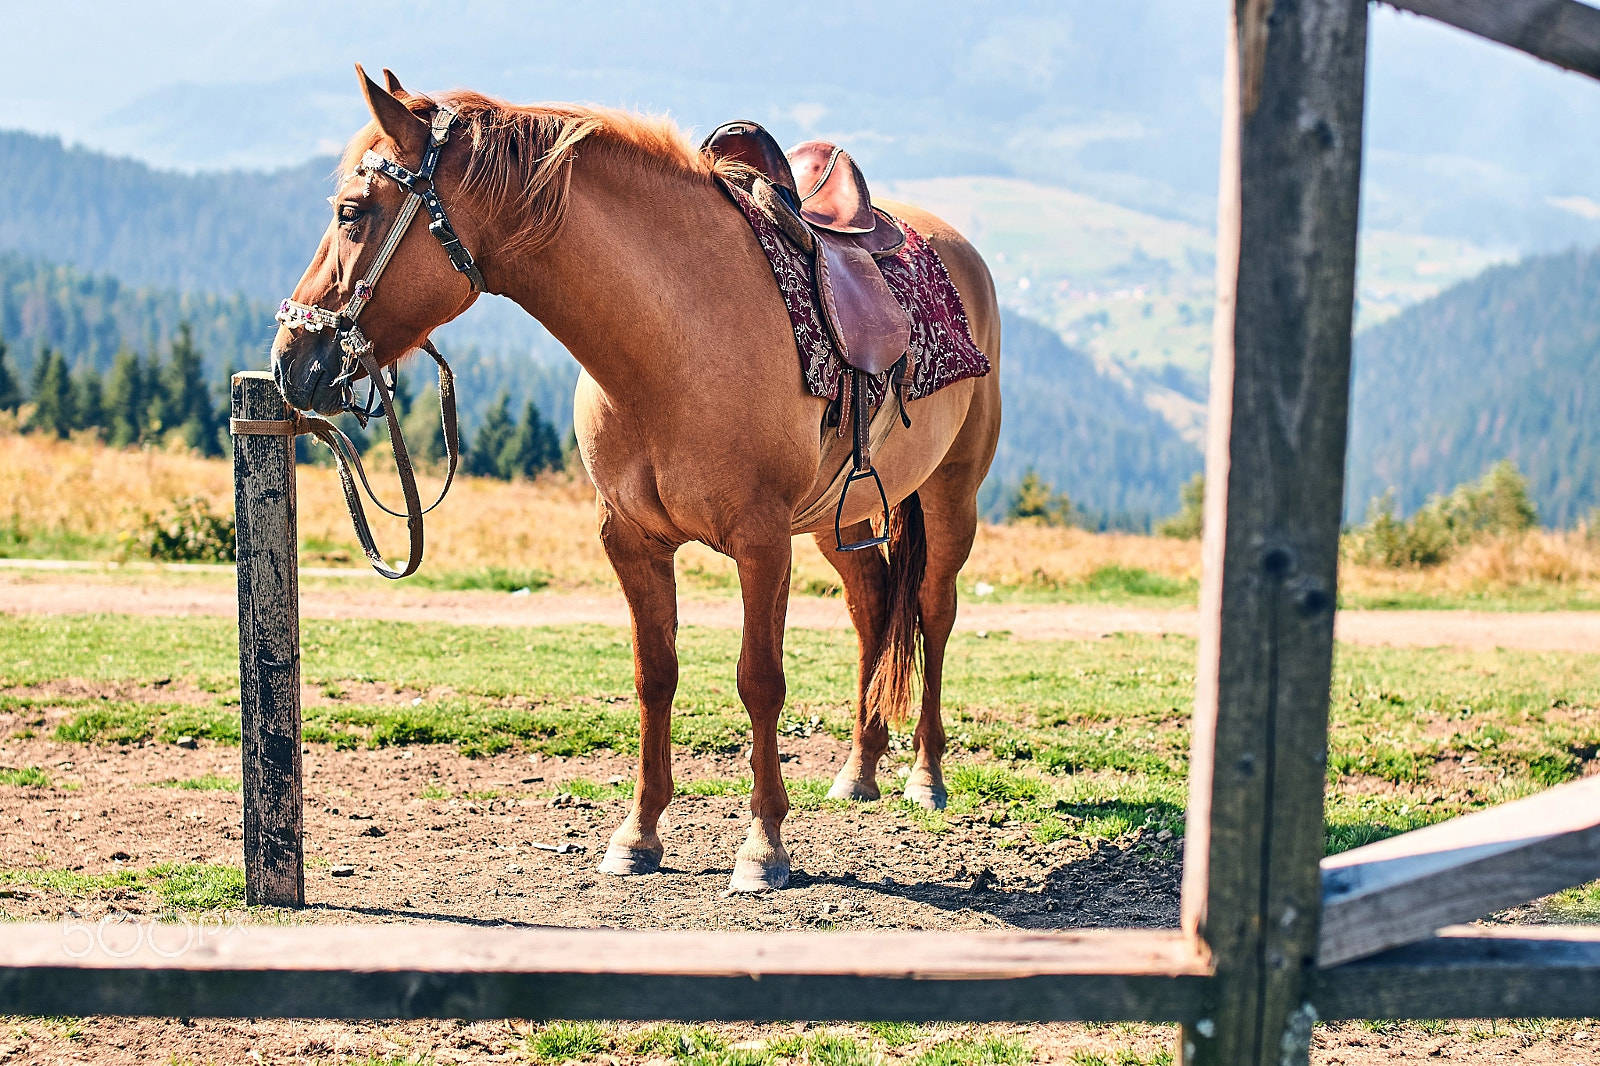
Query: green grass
x=25 y=777
x=491 y=578
x=1087 y=739
x=16 y=543
x=1121 y=1057
x=1130 y=586
x=897 y=1034
x=1580 y=904
x=564 y=1041
x=179 y=886
x=583 y=788
x=1529 y=597
x=203 y=783
x=977 y=1051
x=681 y=1042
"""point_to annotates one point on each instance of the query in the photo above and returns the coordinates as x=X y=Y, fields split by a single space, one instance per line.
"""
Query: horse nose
x=306 y=380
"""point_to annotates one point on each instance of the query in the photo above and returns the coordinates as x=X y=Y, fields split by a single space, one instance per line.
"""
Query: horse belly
x=908 y=457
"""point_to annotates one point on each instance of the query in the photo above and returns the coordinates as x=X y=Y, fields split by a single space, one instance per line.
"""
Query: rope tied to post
x=347 y=460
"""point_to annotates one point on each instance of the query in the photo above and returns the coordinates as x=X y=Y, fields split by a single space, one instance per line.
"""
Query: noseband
x=358 y=354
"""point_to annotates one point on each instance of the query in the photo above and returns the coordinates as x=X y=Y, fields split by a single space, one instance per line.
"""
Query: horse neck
x=632 y=281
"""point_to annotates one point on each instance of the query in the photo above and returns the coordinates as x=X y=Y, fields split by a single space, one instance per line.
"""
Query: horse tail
x=900 y=653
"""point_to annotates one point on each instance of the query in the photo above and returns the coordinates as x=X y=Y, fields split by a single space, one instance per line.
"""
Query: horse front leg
x=644 y=569
x=762 y=861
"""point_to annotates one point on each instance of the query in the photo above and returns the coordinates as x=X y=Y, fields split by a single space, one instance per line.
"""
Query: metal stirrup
x=861 y=468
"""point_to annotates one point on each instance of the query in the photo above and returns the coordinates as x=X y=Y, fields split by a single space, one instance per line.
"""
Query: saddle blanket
x=942 y=351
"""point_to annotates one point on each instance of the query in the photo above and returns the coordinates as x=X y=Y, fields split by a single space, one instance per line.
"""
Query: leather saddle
x=817 y=195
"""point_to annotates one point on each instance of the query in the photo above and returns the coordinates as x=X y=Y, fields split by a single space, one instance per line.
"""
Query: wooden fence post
x=1286 y=242
x=269 y=648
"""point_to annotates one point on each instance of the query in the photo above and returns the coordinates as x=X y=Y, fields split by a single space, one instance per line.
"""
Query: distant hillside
x=243 y=231
x=89 y=317
x=1129 y=288
x=1086 y=432
x=1503 y=365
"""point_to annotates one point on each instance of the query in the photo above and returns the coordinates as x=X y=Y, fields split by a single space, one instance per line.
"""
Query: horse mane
x=521 y=155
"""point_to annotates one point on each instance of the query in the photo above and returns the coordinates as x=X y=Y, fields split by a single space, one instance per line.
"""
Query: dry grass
x=75 y=498
x=84 y=494
x=1556 y=566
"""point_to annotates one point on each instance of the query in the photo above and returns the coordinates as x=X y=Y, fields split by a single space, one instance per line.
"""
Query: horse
x=690 y=413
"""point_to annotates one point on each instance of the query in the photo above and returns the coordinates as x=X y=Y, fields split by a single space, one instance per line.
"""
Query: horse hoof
x=624 y=861
x=853 y=788
x=752 y=876
x=926 y=796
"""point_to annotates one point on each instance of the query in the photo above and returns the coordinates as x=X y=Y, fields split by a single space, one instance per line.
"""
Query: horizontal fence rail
x=1399 y=890
x=392 y=971
x=387 y=971
x=1563 y=32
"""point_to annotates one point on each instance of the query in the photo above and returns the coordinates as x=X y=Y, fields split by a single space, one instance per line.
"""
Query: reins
x=358 y=358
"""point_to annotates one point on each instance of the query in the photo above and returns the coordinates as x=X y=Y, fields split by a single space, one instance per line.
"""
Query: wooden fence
x=1275 y=937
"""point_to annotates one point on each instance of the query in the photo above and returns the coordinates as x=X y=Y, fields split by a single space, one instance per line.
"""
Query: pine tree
x=1037 y=502
x=484 y=456
x=88 y=407
x=52 y=395
x=534 y=447
x=186 y=399
x=423 y=432
x=125 y=400
x=10 y=390
x=1185 y=525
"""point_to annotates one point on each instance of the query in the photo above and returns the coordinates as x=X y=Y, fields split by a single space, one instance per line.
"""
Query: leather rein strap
x=359 y=358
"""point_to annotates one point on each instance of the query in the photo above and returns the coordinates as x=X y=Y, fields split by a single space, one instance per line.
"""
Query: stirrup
x=838 y=514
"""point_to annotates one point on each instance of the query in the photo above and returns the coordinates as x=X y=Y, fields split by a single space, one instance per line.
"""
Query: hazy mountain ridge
x=1504 y=365
x=1465 y=139
x=239 y=232
x=89 y=317
x=1087 y=432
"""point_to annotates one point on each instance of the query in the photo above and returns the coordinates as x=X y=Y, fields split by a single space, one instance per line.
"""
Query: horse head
x=399 y=165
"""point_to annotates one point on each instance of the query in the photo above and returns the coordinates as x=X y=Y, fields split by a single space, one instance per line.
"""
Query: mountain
x=1122 y=101
x=236 y=232
x=1129 y=288
x=89 y=317
x=1084 y=430
x=1506 y=365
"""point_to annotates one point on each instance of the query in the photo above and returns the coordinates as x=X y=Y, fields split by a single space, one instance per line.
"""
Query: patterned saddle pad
x=942 y=351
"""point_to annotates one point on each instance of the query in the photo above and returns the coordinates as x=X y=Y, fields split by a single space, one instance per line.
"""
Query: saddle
x=818 y=197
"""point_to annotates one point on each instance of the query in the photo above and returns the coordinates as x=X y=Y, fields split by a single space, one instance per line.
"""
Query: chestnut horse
x=691 y=414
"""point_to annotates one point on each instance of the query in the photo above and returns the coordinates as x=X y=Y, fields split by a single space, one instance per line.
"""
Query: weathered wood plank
x=393 y=971
x=269 y=649
x=1563 y=32
x=1398 y=891
x=1471 y=972
x=1274 y=481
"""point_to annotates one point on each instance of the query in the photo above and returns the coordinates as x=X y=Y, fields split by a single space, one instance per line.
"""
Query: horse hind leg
x=950 y=517
x=644 y=569
x=865 y=577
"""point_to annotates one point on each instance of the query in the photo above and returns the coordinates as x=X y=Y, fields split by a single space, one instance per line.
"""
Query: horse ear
x=392 y=83
x=394 y=118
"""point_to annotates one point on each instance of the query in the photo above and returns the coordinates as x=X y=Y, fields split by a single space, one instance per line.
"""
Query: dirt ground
x=483 y=851
x=34 y=591
x=474 y=855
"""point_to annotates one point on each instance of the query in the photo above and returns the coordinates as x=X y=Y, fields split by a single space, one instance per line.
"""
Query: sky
x=1465 y=139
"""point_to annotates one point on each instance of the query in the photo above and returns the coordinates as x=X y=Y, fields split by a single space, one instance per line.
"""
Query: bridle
x=358 y=355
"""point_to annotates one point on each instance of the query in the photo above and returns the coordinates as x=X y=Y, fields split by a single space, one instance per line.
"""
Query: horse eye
x=349 y=212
